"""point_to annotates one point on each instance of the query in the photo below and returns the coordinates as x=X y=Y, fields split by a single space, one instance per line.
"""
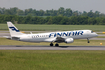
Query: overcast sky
x=80 y=5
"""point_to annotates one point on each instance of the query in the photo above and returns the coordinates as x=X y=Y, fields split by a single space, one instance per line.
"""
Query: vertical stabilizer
x=13 y=30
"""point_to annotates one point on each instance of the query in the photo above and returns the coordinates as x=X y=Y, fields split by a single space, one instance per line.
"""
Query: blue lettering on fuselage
x=81 y=32
x=72 y=33
x=59 y=34
x=52 y=34
x=65 y=34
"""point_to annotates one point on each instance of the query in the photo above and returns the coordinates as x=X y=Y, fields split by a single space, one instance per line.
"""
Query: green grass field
x=4 y=41
x=51 y=60
x=31 y=27
x=101 y=37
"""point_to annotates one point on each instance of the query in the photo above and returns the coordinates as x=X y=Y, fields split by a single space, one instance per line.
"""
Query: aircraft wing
x=65 y=39
x=60 y=39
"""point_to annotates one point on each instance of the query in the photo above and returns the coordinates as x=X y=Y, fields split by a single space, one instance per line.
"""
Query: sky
x=80 y=5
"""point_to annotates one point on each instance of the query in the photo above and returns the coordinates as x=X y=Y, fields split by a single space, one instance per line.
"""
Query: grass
x=4 y=41
x=51 y=60
x=31 y=27
x=101 y=37
x=101 y=33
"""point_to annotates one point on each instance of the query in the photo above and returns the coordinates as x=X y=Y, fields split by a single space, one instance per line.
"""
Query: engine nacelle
x=69 y=40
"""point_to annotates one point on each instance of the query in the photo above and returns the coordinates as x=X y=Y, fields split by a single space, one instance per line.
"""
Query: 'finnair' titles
x=71 y=33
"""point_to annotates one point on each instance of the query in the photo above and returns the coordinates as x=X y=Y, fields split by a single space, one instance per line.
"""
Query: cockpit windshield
x=91 y=31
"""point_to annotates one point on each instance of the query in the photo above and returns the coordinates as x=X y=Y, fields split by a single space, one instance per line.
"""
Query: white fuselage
x=49 y=37
x=58 y=37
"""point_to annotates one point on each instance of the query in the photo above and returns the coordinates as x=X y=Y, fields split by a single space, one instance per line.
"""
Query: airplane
x=57 y=37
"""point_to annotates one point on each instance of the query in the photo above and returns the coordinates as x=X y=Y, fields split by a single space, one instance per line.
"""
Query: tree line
x=60 y=12
x=59 y=20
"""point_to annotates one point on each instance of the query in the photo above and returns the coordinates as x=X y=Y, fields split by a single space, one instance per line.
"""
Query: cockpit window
x=91 y=31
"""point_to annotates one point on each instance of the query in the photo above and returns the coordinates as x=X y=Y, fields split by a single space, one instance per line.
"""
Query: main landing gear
x=56 y=44
x=51 y=44
x=88 y=40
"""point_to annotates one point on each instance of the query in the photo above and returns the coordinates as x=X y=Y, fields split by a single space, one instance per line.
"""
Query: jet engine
x=69 y=40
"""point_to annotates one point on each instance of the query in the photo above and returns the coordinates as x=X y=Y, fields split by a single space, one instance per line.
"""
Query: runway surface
x=19 y=47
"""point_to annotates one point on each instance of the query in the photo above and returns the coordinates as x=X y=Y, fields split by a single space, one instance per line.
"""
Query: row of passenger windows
x=41 y=36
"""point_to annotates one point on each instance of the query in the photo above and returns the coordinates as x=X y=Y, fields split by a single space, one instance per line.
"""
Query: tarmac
x=20 y=47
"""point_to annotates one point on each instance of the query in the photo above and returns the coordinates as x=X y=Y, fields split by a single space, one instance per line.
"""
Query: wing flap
x=60 y=39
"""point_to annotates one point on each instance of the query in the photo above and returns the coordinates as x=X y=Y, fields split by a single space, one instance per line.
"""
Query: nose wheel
x=88 y=40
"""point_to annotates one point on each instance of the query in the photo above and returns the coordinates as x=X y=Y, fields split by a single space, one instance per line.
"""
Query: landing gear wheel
x=88 y=40
x=51 y=44
x=56 y=44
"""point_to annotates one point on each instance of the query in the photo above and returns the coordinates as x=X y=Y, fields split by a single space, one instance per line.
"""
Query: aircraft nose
x=96 y=34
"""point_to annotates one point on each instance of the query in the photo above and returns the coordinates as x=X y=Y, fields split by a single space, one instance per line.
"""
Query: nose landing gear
x=88 y=40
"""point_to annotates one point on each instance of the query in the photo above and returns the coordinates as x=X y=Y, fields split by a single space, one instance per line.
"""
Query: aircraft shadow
x=56 y=46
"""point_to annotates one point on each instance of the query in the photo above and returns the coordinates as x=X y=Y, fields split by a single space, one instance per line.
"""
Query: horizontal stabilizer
x=8 y=37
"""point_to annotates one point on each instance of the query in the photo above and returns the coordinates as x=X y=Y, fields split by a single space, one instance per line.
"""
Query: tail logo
x=14 y=29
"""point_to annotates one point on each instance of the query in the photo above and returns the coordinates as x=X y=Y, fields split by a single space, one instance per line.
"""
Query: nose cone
x=96 y=34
